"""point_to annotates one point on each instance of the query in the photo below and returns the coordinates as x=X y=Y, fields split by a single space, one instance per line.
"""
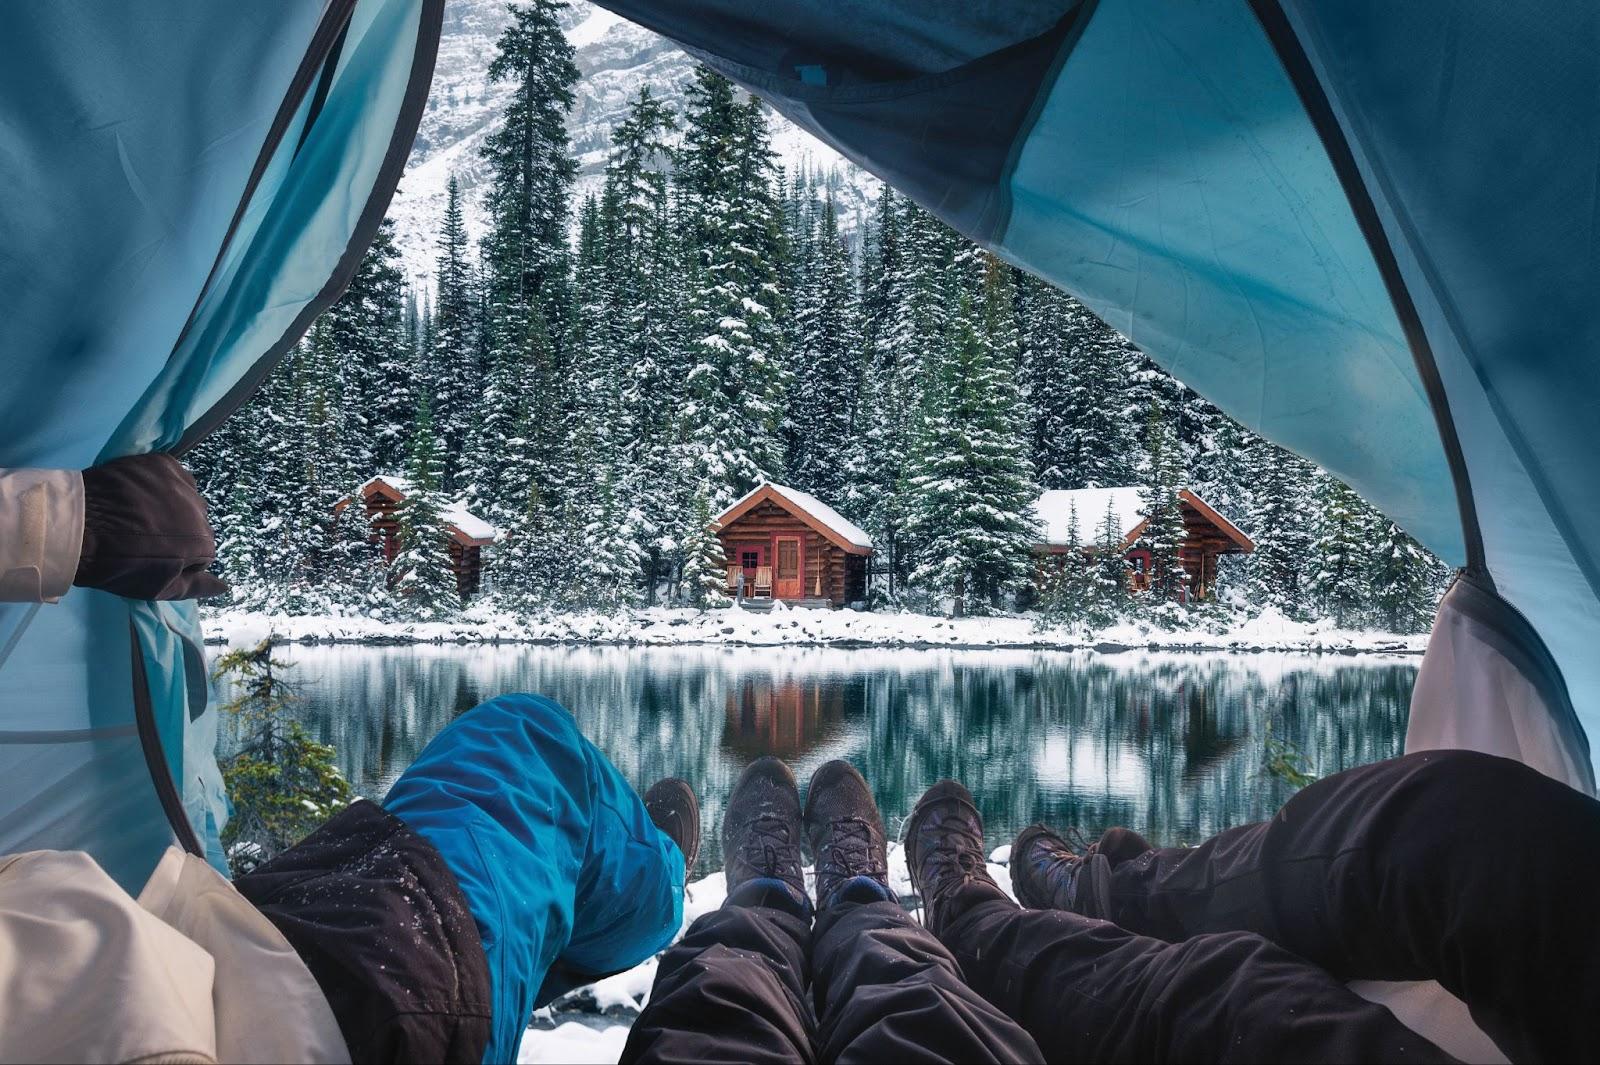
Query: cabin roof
x=464 y=525
x=808 y=508
x=1053 y=511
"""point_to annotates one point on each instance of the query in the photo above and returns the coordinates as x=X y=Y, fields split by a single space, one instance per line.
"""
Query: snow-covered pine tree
x=1109 y=592
x=532 y=170
x=1338 y=586
x=424 y=581
x=1163 y=512
x=1279 y=523
x=703 y=581
x=825 y=369
x=1101 y=451
x=369 y=363
x=450 y=363
x=1070 y=583
x=1045 y=374
x=735 y=379
x=1404 y=578
x=969 y=486
x=647 y=312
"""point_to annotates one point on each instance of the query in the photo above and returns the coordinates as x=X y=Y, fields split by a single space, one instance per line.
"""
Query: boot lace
x=850 y=851
x=768 y=848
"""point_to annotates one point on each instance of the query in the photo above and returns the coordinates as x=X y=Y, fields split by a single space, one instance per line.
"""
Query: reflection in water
x=1169 y=744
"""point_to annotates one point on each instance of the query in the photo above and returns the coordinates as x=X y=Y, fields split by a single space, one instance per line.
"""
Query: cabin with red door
x=784 y=544
x=468 y=533
x=1207 y=534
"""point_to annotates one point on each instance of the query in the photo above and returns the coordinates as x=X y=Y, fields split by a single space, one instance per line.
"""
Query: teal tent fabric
x=188 y=185
x=1366 y=230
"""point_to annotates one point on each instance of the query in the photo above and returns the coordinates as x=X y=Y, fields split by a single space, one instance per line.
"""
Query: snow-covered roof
x=1053 y=511
x=828 y=520
x=456 y=514
x=468 y=523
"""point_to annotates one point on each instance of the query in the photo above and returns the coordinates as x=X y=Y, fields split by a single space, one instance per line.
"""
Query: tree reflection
x=1169 y=744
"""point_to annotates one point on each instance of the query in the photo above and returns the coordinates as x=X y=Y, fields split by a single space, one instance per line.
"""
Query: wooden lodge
x=469 y=534
x=784 y=544
x=1207 y=534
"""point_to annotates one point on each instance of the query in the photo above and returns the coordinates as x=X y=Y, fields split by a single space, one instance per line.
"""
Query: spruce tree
x=1045 y=375
x=1163 y=533
x=825 y=370
x=1405 y=579
x=704 y=576
x=969 y=487
x=528 y=202
x=735 y=378
x=1110 y=592
x=1278 y=522
x=451 y=366
x=424 y=581
x=1100 y=451
x=1338 y=582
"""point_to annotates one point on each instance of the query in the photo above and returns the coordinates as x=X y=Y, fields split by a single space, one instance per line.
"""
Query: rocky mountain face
x=615 y=58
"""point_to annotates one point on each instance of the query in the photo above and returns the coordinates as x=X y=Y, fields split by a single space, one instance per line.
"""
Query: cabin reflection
x=784 y=717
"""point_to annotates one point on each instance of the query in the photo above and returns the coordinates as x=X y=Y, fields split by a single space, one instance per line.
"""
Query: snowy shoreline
x=795 y=627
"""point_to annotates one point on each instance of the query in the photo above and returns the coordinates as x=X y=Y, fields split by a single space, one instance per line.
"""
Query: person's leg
x=885 y=989
x=1461 y=867
x=888 y=990
x=1088 y=990
x=735 y=988
x=554 y=852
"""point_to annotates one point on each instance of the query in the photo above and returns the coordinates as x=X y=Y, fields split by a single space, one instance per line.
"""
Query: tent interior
x=1360 y=228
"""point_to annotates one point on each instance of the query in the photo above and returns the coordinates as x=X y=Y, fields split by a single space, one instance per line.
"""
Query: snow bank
x=609 y=1007
x=660 y=626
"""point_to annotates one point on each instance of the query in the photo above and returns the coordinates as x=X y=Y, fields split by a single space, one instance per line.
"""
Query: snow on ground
x=591 y=1024
x=783 y=626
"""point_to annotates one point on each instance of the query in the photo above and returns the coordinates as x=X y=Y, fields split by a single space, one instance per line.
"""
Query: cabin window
x=749 y=559
x=788 y=560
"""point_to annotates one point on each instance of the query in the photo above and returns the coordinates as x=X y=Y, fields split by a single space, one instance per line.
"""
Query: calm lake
x=1173 y=745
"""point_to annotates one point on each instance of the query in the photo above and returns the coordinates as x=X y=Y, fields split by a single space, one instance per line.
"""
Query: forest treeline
x=599 y=378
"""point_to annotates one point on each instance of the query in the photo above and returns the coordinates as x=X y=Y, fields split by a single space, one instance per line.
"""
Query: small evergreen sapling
x=282 y=783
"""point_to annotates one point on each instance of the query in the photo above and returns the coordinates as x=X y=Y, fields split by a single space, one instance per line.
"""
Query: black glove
x=145 y=533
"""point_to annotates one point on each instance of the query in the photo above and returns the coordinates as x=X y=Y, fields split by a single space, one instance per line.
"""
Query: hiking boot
x=761 y=830
x=846 y=835
x=944 y=852
x=1049 y=873
x=673 y=809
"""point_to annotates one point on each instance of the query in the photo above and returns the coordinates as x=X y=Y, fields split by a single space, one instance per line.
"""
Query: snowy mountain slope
x=615 y=58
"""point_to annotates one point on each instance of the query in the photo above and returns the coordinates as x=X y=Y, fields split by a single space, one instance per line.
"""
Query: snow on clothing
x=559 y=863
x=189 y=972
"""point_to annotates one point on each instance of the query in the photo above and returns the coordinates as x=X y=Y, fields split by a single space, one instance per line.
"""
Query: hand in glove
x=145 y=533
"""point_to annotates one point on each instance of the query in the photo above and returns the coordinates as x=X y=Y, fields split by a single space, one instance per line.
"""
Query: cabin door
x=788 y=574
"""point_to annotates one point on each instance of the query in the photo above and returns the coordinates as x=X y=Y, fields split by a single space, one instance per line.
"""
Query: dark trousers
x=1471 y=870
x=757 y=983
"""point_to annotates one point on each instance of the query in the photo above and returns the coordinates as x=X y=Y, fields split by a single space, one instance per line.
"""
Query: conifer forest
x=598 y=378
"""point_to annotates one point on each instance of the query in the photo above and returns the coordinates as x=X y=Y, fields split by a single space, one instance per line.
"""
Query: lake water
x=1173 y=745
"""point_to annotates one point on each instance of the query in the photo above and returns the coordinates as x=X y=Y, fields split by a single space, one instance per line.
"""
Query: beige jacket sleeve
x=189 y=973
x=41 y=533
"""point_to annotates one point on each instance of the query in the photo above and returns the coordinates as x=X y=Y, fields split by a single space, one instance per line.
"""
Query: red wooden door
x=788 y=572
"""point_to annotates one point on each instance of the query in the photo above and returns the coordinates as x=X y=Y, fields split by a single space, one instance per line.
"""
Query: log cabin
x=1207 y=534
x=468 y=533
x=784 y=544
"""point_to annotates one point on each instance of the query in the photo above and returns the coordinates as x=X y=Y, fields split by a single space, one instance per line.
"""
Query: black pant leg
x=1468 y=869
x=734 y=989
x=888 y=991
x=1089 y=991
